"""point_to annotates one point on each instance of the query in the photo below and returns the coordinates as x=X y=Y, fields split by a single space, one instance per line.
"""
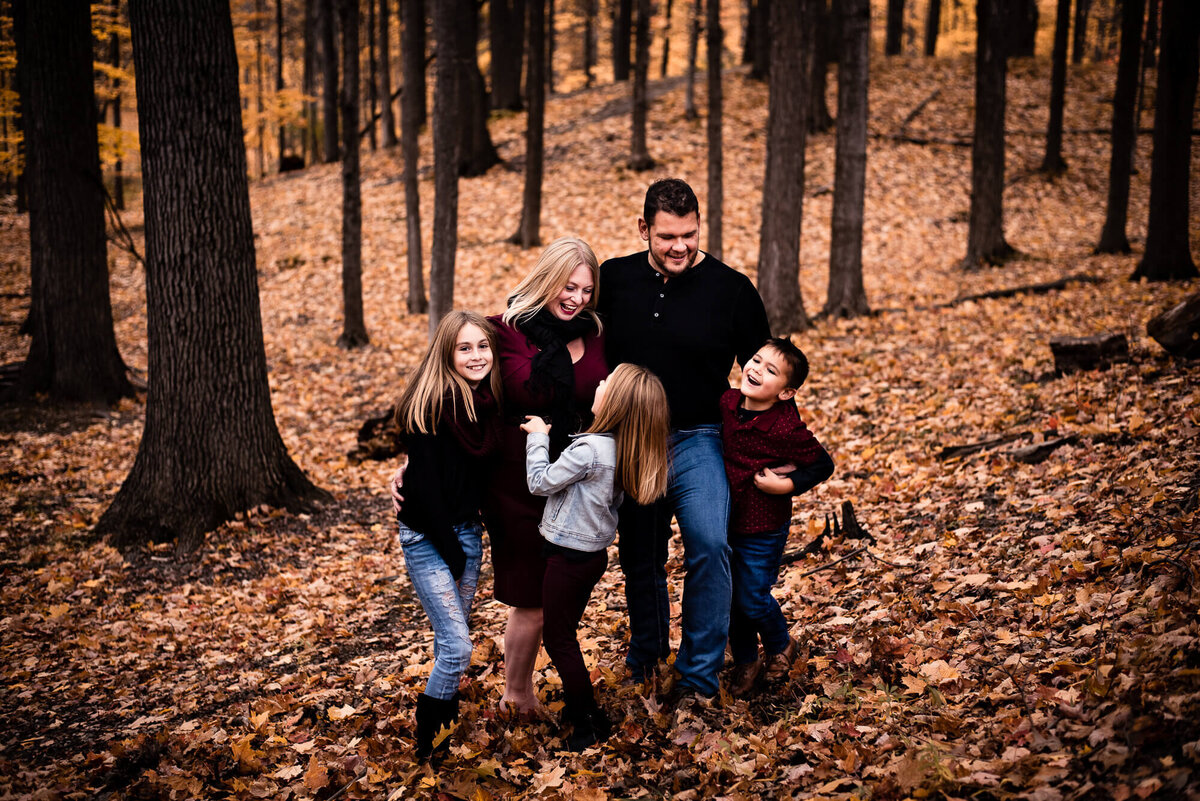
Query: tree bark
x=1022 y=27
x=715 y=44
x=666 y=52
x=279 y=73
x=1177 y=329
x=846 y=296
x=1053 y=162
x=506 y=27
x=622 y=31
x=1168 y=255
x=1079 y=39
x=114 y=58
x=639 y=156
x=326 y=20
x=387 y=119
x=73 y=354
x=818 y=112
x=1123 y=137
x=414 y=47
x=760 y=66
x=689 y=94
x=309 y=82
x=528 y=230
x=589 y=40
x=985 y=235
x=354 y=329
x=550 y=46
x=783 y=187
x=372 y=79
x=933 y=22
x=210 y=447
x=477 y=153
x=894 y=31
x=413 y=50
x=258 y=88
x=446 y=110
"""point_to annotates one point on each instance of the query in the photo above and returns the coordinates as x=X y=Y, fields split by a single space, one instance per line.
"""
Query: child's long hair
x=420 y=406
x=635 y=412
x=549 y=276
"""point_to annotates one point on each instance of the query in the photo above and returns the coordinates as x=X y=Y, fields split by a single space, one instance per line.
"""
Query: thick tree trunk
x=639 y=155
x=622 y=32
x=715 y=43
x=1022 y=27
x=414 y=46
x=1053 y=161
x=327 y=21
x=818 y=112
x=1079 y=38
x=894 y=31
x=985 y=235
x=528 y=230
x=387 y=119
x=783 y=188
x=210 y=446
x=354 y=329
x=1123 y=136
x=1177 y=329
x=506 y=25
x=413 y=50
x=477 y=153
x=847 y=297
x=73 y=354
x=446 y=109
x=933 y=22
x=760 y=65
x=689 y=93
x=1168 y=255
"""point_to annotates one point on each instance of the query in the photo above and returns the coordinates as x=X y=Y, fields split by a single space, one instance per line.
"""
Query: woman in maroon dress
x=551 y=359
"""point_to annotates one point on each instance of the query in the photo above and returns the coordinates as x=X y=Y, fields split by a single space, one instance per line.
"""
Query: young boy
x=770 y=455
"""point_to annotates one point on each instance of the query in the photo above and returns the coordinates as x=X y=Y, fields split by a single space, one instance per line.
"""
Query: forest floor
x=1013 y=630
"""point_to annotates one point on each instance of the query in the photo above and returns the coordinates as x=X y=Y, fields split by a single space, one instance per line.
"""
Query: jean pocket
x=407 y=536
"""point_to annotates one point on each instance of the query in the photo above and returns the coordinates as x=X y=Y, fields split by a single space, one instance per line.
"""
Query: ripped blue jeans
x=447 y=603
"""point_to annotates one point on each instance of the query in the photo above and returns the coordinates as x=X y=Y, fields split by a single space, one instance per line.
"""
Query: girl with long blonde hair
x=624 y=451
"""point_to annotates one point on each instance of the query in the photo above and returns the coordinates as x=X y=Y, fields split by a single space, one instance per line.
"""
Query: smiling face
x=765 y=380
x=674 y=241
x=472 y=354
x=575 y=295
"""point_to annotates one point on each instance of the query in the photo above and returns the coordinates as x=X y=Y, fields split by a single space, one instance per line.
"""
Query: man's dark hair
x=793 y=357
x=672 y=196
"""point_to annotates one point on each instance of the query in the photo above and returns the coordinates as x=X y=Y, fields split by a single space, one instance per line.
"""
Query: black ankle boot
x=589 y=724
x=432 y=715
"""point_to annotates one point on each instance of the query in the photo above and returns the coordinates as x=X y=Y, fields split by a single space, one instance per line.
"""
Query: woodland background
x=1013 y=629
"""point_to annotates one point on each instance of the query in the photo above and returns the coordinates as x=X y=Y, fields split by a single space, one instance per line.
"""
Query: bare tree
x=506 y=32
x=1079 y=40
x=210 y=447
x=847 y=297
x=821 y=54
x=622 y=30
x=779 y=248
x=1053 y=162
x=411 y=106
x=589 y=39
x=639 y=156
x=1123 y=135
x=354 y=329
x=279 y=72
x=894 y=32
x=715 y=44
x=689 y=95
x=933 y=21
x=372 y=79
x=528 y=233
x=662 y=72
x=309 y=82
x=114 y=58
x=327 y=21
x=477 y=153
x=387 y=119
x=447 y=107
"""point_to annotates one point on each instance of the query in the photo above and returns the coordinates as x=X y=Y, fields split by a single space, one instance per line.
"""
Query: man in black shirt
x=686 y=316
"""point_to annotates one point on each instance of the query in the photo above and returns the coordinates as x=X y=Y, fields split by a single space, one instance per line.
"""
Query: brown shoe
x=778 y=665
x=742 y=679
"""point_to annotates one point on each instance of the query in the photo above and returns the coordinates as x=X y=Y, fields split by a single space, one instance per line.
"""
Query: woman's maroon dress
x=510 y=512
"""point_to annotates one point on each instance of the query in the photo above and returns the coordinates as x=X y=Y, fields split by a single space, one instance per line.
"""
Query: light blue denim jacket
x=580 y=489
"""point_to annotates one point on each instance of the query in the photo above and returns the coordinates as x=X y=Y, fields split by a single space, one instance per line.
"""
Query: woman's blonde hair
x=420 y=406
x=549 y=276
x=635 y=412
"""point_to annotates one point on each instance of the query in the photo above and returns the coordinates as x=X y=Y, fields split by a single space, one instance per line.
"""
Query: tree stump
x=1072 y=354
x=1178 y=328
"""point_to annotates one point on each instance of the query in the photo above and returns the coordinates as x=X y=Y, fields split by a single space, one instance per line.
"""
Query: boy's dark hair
x=672 y=196
x=793 y=357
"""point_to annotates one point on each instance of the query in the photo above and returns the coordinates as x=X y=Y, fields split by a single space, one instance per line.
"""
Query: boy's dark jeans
x=754 y=563
x=565 y=591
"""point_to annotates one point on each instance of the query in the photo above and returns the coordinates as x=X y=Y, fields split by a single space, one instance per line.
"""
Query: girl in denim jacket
x=448 y=419
x=624 y=451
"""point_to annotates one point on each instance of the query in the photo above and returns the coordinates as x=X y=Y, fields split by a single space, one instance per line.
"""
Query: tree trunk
x=279 y=73
x=477 y=154
x=550 y=46
x=589 y=40
x=210 y=447
x=639 y=156
x=1123 y=136
x=783 y=188
x=1177 y=329
x=446 y=110
x=413 y=50
x=1168 y=255
x=715 y=44
x=310 y=83
x=662 y=72
x=114 y=58
x=261 y=125
x=689 y=95
x=354 y=329
x=1079 y=40
x=506 y=24
x=372 y=78
x=933 y=23
x=760 y=67
x=847 y=297
x=326 y=19
x=73 y=354
x=818 y=112
x=622 y=30
x=1022 y=27
x=414 y=46
x=894 y=31
x=528 y=231
x=1053 y=162
x=985 y=235
x=1150 y=59
x=387 y=119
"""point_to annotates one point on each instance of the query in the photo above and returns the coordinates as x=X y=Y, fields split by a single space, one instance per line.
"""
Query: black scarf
x=478 y=438
x=552 y=373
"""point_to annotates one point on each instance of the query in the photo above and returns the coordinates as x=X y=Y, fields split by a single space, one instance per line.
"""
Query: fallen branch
x=1025 y=289
x=1036 y=453
x=956 y=451
x=912 y=115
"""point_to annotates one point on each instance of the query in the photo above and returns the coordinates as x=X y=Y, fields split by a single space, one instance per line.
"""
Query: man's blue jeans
x=698 y=497
x=446 y=602
x=755 y=566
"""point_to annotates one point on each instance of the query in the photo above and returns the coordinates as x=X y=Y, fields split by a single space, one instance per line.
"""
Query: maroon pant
x=565 y=590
